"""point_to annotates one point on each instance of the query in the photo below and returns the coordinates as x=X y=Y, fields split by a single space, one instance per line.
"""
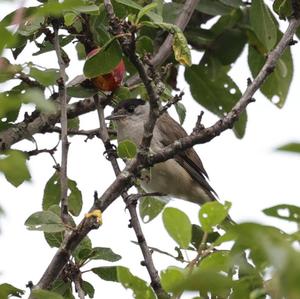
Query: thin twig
x=40 y=151
x=171 y=102
x=90 y=134
x=62 y=91
x=200 y=251
x=198 y=127
x=190 y=266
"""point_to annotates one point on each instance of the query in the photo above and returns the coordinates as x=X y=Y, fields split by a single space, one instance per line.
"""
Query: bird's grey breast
x=133 y=129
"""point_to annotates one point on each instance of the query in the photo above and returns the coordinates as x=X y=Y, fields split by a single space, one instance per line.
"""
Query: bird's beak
x=115 y=116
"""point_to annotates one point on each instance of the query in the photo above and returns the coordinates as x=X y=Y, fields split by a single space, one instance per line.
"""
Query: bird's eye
x=130 y=109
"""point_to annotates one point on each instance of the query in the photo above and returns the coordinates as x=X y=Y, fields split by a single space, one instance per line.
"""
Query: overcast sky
x=249 y=172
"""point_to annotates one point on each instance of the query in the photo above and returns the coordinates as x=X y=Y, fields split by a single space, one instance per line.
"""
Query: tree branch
x=41 y=123
x=134 y=221
x=62 y=92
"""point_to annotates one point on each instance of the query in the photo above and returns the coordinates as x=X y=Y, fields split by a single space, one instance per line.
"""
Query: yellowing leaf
x=181 y=50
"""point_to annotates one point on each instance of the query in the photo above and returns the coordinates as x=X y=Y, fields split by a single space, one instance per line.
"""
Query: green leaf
x=54 y=239
x=133 y=4
x=283 y=8
x=277 y=84
x=263 y=24
x=99 y=253
x=69 y=18
x=150 y=207
x=74 y=123
x=92 y=9
x=213 y=7
x=6 y=37
x=104 y=61
x=177 y=280
x=43 y=294
x=80 y=51
x=45 y=77
x=144 y=45
x=172 y=278
x=213 y=213
x=217 y=261
x=122 y=274
x=197 y=236
x=228 y=46
x=63 y=288
x=31 y=26
x=37 y=97
x=212 y=88
x=122 y=93
x=208 y=282
x=284 y=211
x=126 y=149
x=145 y=10
x=88 y=289
x=178 y=226
x=293 y=147
x=74 y=198
x=106 y=273
x=84 y=246
x=58 y=8
x=46 y=221
x=139 y=287
x=9 y=107
x=198 y=37
x=7 y=289
x=13 y=160
x=9 y=19
x=181 y=111
x=233 y=3
x=80 y=91
x=51 y=192
x=52 y=195
x=8 y=70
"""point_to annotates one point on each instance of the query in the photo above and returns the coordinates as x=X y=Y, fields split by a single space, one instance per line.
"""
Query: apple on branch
x=110 y=81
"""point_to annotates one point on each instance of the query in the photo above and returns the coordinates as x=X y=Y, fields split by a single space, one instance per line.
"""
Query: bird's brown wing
x=188 y=159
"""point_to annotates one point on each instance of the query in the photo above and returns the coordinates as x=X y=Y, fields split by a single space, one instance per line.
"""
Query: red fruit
x=111 y=81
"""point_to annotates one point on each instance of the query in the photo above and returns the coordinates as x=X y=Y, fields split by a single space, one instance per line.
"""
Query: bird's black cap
x=129 y=103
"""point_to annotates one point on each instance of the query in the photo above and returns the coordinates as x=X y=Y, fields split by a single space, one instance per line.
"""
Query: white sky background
x=247 y=172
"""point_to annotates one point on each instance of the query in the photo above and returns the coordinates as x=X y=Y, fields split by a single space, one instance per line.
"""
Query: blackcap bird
x=183 y=176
